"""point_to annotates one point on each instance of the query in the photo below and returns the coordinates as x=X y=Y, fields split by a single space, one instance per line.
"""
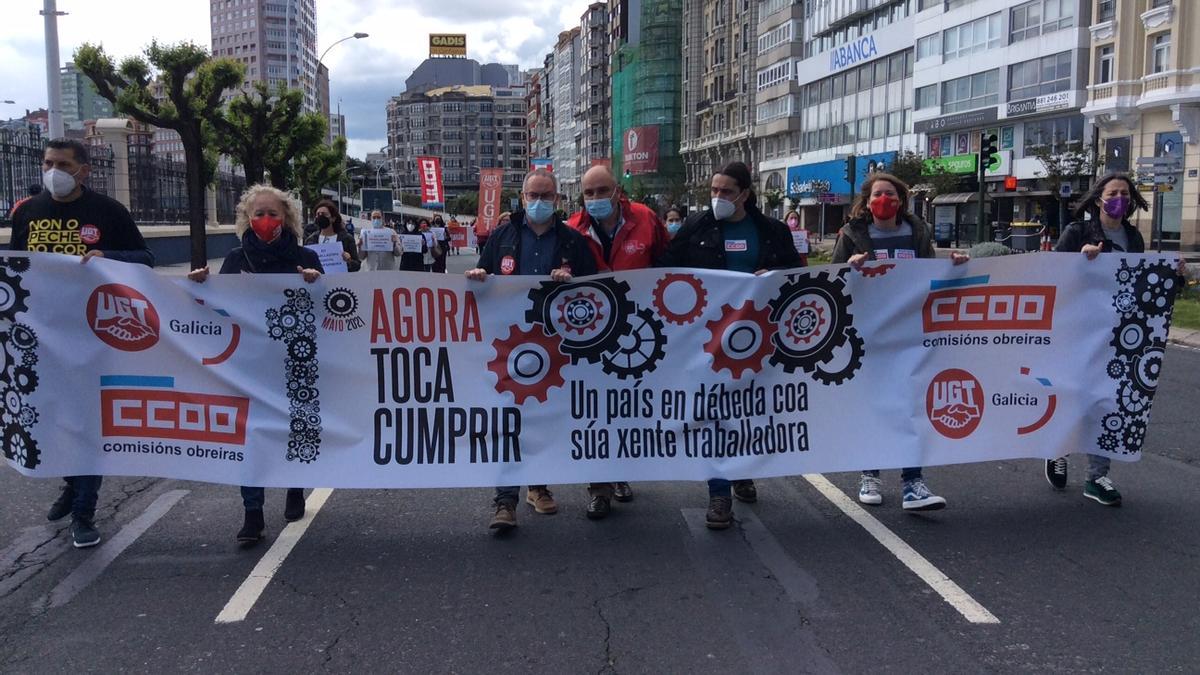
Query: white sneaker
x=868 y=490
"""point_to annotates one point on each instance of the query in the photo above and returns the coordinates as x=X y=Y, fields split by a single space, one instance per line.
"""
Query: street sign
x=1064 y=190
x=1159 y=162
x=1164 y=187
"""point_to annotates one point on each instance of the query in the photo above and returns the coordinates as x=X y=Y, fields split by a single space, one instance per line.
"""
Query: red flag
x=491 y=183
x=431 y=182
x=641 y=150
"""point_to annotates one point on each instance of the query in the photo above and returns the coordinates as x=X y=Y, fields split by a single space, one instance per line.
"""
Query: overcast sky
x=363 y=73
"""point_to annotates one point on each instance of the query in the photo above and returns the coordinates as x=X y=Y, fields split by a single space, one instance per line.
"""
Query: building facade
x=567 y=148
x=777 y=111
x=719 y=65
x=594 y=115
x=80 y=100
x=1018 y=69
x=275 y=39
x=468 y=127
x=1145 y=99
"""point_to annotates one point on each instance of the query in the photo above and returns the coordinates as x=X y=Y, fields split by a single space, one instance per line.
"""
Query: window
x=1104 y=64
x=1047 y=75
x=955 y=4
x=930 y=45
x=927 y=97
x=780 y=107
x=1040 y=17
x=1160 y=53
x=970 y=92
x=1106 y=10
x=1159 y=3
x=780 y=72
x=973 y=36
x=778 y=36
x=1057 y=134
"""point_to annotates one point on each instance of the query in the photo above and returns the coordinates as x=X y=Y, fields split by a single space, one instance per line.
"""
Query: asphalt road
x=411 y=580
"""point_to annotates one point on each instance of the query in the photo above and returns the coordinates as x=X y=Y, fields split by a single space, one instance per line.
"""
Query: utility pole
x=987 y=152
x=53 y=82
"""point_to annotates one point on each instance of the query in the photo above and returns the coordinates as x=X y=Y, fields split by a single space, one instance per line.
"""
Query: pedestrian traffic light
x=988 y=150
x=1010 y=183
x=851 y=161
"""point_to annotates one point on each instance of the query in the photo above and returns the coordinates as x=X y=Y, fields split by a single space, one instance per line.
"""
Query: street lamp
x=356 y=36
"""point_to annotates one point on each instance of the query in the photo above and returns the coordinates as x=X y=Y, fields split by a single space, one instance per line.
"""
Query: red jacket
x=638 y=244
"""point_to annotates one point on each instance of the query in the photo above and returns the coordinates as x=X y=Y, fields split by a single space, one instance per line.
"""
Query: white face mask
x=377 y=223
x=723 y=208
x=58 y=182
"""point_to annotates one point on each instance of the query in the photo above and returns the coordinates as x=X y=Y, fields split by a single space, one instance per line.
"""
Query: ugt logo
x=123 y=318
x=954 y=403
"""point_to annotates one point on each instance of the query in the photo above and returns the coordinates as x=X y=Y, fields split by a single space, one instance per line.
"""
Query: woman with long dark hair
x=1107 y=206
x=331 y=229
x=882 y=228
x=734 y=235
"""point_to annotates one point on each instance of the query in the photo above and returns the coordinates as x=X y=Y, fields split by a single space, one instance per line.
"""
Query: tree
x=264 y=131
x=465 y=203
x=191 y=84
x=1062 y=162
x=319 y=167
x=773 y=199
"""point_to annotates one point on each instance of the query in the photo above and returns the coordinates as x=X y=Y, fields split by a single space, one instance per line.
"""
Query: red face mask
x=266 y=228
x=884 y=207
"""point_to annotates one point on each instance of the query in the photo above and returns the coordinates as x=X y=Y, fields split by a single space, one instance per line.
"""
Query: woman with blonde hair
x=268 y=224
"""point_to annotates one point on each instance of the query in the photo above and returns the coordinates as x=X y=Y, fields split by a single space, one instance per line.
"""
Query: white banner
x=412 y=243
x=377 y=238
x=411 y=380
x=331 y=257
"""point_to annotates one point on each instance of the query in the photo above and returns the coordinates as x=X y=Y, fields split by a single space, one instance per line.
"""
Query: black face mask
x=322 y=222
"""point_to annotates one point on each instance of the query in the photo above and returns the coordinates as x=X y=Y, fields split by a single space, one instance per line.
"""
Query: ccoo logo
x=123 y=318
x=954 y=403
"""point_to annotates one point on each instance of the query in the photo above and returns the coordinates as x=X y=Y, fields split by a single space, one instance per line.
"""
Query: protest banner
x=331 y=257
x=377 y=239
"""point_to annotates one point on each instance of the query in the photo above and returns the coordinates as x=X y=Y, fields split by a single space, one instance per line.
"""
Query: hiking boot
x=598 y=508
x=745 y=491
x=541 y=499
x=720 y=513
x=505 y=518
x=623 y=492
x=868 y=490
x=1056 y=472
x=293 y=507
x=61 y=508
x=84 y=533
x=1102 y=490
x=917 y=497
x=252 y=528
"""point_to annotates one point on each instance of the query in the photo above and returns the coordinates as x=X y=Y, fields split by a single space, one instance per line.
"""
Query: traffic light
x=1010 y=183
x=988 y=150
x=849 y=175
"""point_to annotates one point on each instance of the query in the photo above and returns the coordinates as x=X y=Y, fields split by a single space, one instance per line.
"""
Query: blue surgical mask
x=600 y=209
x=539 y=211
x=674 y=225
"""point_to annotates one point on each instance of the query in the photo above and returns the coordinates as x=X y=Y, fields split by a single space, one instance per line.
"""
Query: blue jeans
x=721 y=487
x=1098 y=466
x=510 y=494
x=253 y=498
x=86 y=490
x=905 y=475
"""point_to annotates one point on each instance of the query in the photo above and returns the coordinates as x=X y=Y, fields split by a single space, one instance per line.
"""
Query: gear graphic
x=23 y=337
x=1112 y=423
x=17 y=264
x=1125 y=303
x=1131 y=337
x=341 y=303
x=528 y=363
x=299 y=299
x=20 y=447
x=28 y=417
x=1133 y=435
x=579 y=313
x=29 y=359
x=1116 y=369
x=813 y=319
x=640 y=351
x=25 y=380
x=1125 y=274
x=876 y=270
x=12 y=295
x=1153 y=288
x=303 y=349
x=1133 y=401
x=700 y=295
x=740 y=339
x=566 y=310
x=1146 y=369
x=1108 y=441
x=857 y=350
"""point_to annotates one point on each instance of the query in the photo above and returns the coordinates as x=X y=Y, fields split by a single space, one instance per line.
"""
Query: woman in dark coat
x=330 y=229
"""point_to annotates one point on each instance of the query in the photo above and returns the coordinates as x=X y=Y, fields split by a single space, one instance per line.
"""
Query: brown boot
x=540 y=498
x=505 y=518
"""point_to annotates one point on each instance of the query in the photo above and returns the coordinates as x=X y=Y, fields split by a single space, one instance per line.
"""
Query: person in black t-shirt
x=69 y=218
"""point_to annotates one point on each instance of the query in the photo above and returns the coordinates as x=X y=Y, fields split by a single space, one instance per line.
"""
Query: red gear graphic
x=716 y=344
x=596 y=308
x=552 y=371
x=680 y=319
x=877 y=270
x=814 y=331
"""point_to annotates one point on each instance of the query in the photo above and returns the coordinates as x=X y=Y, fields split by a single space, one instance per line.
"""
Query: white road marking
x=951 y=592
x=102 y=556
x=252 y=588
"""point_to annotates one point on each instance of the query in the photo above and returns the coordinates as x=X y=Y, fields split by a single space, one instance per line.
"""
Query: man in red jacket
x=622 y=235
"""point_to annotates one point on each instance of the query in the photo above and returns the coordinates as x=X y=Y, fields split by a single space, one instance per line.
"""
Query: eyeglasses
x=540 y=196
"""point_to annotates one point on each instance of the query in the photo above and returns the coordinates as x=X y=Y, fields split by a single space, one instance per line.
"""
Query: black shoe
x=252 y=529
x=745 y=491
x=720 y=513
x=293 y=507
x=623 y=492
x=598 y=508
x=1056 y=472
x=83 y=533
x=61 y=508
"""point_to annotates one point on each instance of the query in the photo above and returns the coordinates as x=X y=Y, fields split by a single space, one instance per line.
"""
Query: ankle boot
x=252 y=528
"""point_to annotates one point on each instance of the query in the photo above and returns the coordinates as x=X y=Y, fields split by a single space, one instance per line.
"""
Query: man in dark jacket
x=534 y=243
x=69 y=218
x=736 y=236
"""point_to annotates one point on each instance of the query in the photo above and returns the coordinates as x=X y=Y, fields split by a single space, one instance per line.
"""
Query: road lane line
x=107 y=552
x=951 y=592
x=252 y=588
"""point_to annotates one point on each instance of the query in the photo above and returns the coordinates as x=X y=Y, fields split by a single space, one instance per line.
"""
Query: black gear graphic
x=17 y=264
x=853 y=363
x=341 y=303
x=299 y=300
x=1108 y=441
x=1133 y=435
x=295 y=325
x=29 y=359
x=645 y=348
x=1154 y=287
x=1125 y=303
x=302 y=349
x=12 y=295
x=1146 y=369
x=1125 y=274
x=824 y=297
x=20 y=447
x=25 y=380
x=28 y=417
x=1133 y=401
x=1113 y=422
x=23 y=337
x=614 y=322
x=1131 y=337
x=1116 y=369
x=276 y=332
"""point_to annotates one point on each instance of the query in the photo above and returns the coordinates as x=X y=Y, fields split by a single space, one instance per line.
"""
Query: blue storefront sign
x=862 y=49
x=806 y=180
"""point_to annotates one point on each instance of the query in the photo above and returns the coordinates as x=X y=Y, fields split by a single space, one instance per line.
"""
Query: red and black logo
x=123 y=318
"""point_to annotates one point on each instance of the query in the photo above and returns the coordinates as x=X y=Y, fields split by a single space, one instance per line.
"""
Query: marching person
x=622 y=235
x=384 y=261
x=881 y=228
x=736 y=236
x=674 y=220
x=1110 y=202
x=330 y=229
x=268 y=224
x=411 y=261
x=793 y=222
x=68 y=217
x=533 y=243
x=437 y=245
